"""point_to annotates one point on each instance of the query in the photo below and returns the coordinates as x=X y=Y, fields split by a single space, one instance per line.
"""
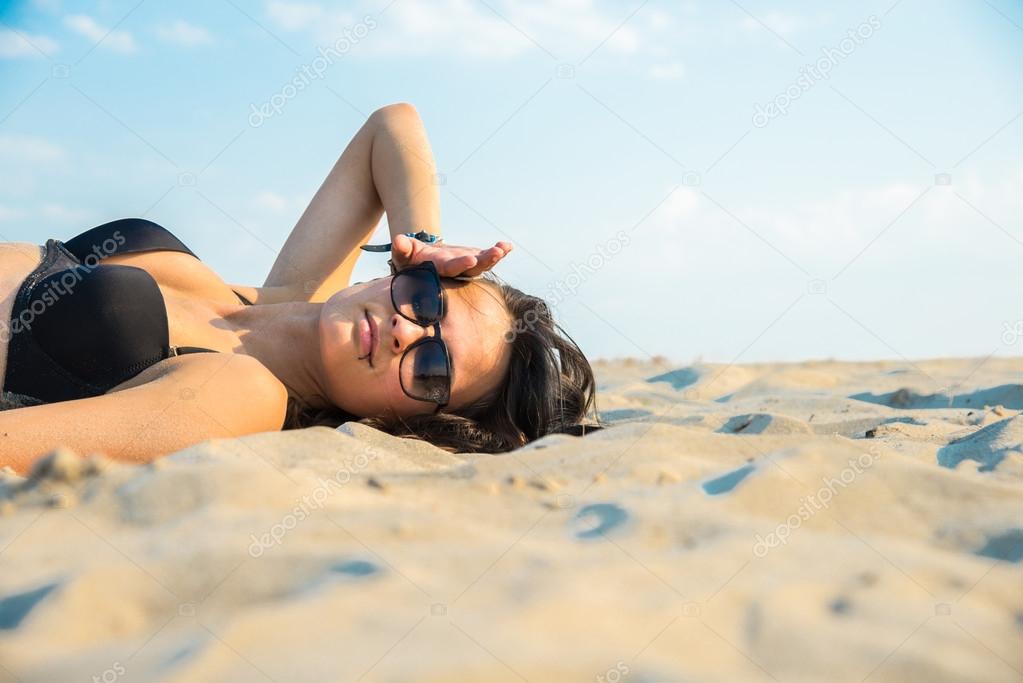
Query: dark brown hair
x=549 y=387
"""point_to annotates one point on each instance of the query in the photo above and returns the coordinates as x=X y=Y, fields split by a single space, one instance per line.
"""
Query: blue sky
x=617 y=144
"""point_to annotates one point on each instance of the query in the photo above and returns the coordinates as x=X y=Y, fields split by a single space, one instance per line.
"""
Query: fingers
x=455 y=266
x=485 y=260
x=475 y=262
x=498 y=251
x=402 y=249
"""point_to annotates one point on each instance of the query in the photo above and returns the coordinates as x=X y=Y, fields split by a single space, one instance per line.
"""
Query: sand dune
x=789 y=522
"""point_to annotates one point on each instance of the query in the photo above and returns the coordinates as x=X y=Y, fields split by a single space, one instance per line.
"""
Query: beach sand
x=771 y=522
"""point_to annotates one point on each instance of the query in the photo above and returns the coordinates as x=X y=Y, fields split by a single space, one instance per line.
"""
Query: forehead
x=474 y=327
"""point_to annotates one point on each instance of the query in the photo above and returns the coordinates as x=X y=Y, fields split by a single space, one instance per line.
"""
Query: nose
x=404 y=333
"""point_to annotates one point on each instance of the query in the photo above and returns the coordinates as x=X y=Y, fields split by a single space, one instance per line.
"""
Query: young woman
x=121 y=341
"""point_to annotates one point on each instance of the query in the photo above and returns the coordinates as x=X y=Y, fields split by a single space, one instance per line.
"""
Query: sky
x=717 y=181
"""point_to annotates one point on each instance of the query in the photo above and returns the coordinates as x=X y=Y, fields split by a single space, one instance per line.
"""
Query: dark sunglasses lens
x=417 y=295
x=424 y=373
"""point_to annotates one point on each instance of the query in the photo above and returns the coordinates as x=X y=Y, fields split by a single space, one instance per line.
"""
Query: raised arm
x=388 y=166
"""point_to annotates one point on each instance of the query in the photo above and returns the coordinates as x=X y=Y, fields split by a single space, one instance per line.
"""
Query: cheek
x=338 y=319
x=387 y=389
x=342 y=380
x=366 y=392
x=335 y=337
x=352 y=385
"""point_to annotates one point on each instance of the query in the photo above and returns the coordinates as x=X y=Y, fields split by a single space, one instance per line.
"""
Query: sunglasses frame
x=429 y=267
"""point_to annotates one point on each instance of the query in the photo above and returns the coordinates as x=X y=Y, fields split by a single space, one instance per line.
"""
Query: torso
x=17 y=260
x=198 y=300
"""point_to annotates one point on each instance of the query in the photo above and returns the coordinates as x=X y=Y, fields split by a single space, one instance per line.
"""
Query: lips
x=368 y=337
x=375 y=339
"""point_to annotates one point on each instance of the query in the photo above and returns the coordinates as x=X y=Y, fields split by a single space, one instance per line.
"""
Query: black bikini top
x=79 y=327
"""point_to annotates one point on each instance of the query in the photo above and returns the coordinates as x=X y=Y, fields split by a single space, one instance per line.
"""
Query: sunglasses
x=425 y=367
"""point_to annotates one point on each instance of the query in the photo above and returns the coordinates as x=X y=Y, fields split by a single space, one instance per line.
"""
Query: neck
x=285 y=337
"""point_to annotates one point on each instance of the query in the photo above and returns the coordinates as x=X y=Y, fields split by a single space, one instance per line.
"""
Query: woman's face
x=473 y=328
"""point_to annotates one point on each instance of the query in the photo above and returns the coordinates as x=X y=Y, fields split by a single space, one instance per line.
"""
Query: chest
x=198 y=302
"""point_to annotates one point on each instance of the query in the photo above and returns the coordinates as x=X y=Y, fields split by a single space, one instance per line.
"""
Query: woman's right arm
x=387 y=166
x=174 y=404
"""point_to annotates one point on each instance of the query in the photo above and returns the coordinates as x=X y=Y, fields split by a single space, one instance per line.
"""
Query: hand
x=449 y=259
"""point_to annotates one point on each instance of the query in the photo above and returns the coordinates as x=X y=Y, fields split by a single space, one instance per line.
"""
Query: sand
x=774 y=522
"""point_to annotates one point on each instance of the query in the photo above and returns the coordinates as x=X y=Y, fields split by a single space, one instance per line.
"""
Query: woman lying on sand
x=122 y=341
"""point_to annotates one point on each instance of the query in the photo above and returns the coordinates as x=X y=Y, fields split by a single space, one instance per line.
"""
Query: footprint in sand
x=356 y=568
x=764 y=423
x=14 y=608
x=988 y=446
x=595 y=521
x=727 y=482
x=1007 y=395
x=1007 y=546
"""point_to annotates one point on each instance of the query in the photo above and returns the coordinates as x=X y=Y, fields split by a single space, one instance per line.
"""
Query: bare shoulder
x=233 y=387
x=176 y=403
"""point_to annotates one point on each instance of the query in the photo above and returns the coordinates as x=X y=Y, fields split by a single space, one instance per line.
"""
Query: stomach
x=17 y=261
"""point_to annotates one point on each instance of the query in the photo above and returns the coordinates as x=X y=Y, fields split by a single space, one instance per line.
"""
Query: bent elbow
x=395 y=112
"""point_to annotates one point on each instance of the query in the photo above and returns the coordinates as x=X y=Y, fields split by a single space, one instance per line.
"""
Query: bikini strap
x=124 y=236
x=178 y=350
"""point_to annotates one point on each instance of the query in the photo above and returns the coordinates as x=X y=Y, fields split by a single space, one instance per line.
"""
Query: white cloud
x=779 y=22
x=182 y=33
x=570 y=29
x=47 y=5
x=22 y=44
x=28 y=149
x=118 y=41
x=293 y=16
x=825 y=234
x=455 y=27
x=659 y=19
